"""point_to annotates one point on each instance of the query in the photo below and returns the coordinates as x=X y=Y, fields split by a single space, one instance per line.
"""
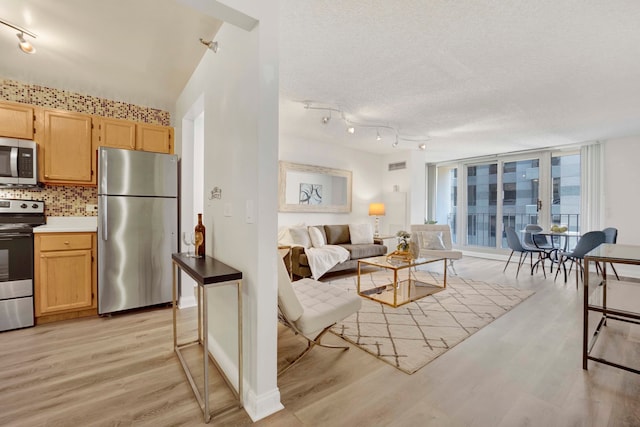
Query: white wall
x=240 y=88
x=411 y=180
x=366 y=179
x=372 y=181
x=621 y=176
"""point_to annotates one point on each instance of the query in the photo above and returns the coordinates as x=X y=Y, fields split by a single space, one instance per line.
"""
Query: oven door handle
x=11 y=236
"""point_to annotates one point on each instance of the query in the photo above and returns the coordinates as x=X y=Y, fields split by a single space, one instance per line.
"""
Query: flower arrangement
x=403 y=240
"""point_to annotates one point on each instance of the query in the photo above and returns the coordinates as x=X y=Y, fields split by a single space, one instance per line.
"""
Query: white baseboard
x=259 y=407
x=186 y=302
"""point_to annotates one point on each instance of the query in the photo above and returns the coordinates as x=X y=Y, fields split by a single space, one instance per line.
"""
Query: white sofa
x=434 y=240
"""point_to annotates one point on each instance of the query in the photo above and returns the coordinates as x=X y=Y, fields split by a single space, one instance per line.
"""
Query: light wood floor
x=524 y=369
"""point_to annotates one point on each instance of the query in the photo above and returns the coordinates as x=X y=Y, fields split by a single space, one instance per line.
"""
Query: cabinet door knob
x=66 y=242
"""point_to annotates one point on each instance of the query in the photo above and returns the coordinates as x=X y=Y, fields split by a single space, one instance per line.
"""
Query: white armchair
x=310 y=308
x=434 y=240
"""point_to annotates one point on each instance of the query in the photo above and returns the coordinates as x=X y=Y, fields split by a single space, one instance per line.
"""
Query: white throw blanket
x=323 y=259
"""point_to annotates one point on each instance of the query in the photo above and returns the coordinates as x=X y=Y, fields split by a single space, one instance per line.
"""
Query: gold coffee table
x=400 y=291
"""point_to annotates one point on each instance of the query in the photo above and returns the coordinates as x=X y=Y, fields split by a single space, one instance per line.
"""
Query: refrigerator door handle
x=103 y=168
x=103 y=213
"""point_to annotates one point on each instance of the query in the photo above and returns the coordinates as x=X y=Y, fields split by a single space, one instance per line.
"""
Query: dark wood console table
x=208 y=272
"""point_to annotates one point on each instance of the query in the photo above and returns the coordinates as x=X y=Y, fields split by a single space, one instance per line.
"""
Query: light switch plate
x=227 y=209
x=91 y=207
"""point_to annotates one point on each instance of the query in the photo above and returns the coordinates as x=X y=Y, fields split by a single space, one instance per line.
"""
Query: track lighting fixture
x=352 y=124
x=23 y=44
x=210 y=44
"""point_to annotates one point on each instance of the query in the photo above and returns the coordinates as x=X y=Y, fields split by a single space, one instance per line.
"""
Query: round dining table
x=559 y=243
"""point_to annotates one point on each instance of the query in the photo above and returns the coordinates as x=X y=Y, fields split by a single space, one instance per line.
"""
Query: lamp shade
x=376 y=209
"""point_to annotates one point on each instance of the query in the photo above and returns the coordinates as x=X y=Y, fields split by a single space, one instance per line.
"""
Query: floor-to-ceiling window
x=565 y=201
x=478 y=198
x=482 y=204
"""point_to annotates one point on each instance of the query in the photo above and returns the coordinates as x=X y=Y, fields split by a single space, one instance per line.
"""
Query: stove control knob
x=34 y=206
x=23 y=206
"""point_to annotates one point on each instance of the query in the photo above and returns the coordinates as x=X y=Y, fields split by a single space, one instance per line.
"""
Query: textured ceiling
x=476 y=77
x=137 y=51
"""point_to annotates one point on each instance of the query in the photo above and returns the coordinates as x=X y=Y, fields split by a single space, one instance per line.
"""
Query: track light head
x=25 y=45
x=378 y=137
x=210 y=44
x=422 y=146
x=351 y=130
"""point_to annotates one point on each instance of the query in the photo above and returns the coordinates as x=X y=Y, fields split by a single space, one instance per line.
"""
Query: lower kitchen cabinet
x=65 y=276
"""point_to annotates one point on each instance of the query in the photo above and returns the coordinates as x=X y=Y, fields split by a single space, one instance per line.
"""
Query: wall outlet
x=91 y=208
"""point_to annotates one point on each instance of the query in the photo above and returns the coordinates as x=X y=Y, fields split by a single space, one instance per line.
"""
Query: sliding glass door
x=520 y=194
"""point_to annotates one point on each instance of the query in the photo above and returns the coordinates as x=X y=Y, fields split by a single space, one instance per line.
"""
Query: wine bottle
x=199 y=238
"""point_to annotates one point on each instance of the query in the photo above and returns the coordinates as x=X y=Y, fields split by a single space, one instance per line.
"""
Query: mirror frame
x=297 y=167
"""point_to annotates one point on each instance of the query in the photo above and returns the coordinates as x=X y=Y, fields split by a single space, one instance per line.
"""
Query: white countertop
x=68 y=224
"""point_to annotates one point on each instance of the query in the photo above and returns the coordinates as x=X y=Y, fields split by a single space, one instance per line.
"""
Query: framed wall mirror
x=307 y=188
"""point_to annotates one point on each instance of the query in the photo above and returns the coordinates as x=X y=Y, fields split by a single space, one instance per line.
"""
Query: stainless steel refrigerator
x=137 y=228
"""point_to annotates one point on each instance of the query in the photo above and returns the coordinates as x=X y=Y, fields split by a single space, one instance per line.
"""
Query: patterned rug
x=410 y=336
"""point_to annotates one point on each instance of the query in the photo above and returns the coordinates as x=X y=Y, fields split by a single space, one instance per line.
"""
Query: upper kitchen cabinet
x=66 y=148
x=154 y=138
x=116 y=133
x=119 y=133
x=16 y=120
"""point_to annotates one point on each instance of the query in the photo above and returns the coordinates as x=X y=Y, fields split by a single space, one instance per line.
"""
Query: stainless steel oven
x=17 y=217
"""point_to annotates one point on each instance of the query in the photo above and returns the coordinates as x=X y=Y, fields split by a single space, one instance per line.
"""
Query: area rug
x=410 y=336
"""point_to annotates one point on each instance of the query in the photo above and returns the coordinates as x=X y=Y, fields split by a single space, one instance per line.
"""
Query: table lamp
x=377 y=210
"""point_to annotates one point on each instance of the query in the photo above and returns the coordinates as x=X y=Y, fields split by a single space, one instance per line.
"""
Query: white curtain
x=592 y=187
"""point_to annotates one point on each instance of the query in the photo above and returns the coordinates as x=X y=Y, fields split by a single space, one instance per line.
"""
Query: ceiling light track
x=24 y=44
x=351 y=126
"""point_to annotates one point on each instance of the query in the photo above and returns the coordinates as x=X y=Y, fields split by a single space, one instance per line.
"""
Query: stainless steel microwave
x=18 y=162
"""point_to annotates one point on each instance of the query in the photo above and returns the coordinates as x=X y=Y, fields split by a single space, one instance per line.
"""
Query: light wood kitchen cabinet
x=116 y=133
x=16 y=120
x=65 y=276
x=130 y=135
x=158 y=139
x=66 y=148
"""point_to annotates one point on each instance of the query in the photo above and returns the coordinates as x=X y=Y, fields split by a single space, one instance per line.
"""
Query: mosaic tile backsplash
x=71 y=200
x=58 y=200
x=11 y=90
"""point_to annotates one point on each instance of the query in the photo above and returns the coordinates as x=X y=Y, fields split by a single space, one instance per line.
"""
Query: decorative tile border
x=42 y=96
x=71 y=200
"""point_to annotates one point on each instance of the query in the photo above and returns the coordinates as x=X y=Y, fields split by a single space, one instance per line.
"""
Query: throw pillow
x=431 y=240
x=300 y=236
x=337 y=234
x=361 y=234
x=317 y=239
